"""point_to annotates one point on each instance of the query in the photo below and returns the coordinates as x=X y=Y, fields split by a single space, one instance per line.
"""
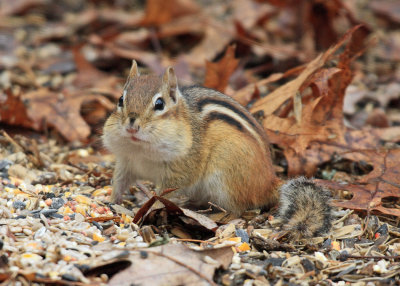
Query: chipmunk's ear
x=134 y=72
x=170 y=84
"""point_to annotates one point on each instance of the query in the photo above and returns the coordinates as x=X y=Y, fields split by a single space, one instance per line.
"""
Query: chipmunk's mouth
x=135 y=139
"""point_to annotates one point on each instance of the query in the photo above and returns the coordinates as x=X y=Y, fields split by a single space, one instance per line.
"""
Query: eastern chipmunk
x=207 y=145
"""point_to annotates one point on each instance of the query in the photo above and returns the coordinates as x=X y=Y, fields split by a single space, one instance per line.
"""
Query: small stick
x=345 y=256
x=13 y=142
x=204 y=211
x=144 y=189
x=184 y=265
x=366 y=223
x=104 y=218
x=36 y=153
x=217 y=206
x=310 y=273
x=195 y=240
x=155 y=42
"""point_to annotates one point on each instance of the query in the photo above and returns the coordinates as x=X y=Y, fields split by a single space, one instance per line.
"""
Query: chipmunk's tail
x=304 y=208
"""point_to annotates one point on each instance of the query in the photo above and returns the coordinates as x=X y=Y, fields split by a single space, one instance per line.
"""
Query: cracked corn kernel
x=67 y=210
x=98 y=238
x=83 y=199
x=243 y=247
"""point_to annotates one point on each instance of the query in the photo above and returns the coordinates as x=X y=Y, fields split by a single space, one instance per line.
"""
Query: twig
x=36 y=153
x=310 y=273
x=344 y=217
x=13 y=142
x=104 y=218
x=367 y=222
x=204 y=211
x=155 y=41
x=195 y=240
x=32 y=153
x=144 y=189
x=279 y=235
x=217 y=206
x=346 y=256
x=190 y=268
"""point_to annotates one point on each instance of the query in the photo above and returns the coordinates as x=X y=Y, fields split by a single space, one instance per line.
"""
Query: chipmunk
x=207 y=145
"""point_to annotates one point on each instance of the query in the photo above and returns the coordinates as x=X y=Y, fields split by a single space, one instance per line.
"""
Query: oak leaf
x=61 y=111
x=173 y=264
x=12 y=110
x=159 y=12
x=174 y=209
x=218 y=73
x=373 y=190
x=319 y=132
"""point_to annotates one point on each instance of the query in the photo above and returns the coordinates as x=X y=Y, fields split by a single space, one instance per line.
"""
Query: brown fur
x=304 y=208
x=203 y=142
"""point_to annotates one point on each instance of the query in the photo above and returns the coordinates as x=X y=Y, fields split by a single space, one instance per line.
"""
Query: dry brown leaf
x=247 y=13
x=61 y=111
x=251 y=91
x=171 y=207
x=152 y=60
x=383 y=182
x=89 y=77
x=8 y=8
x=216 y=37
x=201 y=219
x=172 y=264
x=13 y=110
x=247 y=94
x=275 y=99
x=390 y=9
x=216 y=26
x=218 y=73
x=192 y=24
x=159 y=12
x=320 y=130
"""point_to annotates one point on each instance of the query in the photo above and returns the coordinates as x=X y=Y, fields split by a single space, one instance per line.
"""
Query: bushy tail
x=304 y=208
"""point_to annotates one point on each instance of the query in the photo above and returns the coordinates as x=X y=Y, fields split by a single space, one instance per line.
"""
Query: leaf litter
x=327 y=99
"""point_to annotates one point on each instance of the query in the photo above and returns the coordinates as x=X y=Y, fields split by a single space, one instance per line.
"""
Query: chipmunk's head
x=150 y=114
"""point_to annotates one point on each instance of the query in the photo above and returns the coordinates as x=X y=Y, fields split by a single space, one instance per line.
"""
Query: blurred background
x=63 y=63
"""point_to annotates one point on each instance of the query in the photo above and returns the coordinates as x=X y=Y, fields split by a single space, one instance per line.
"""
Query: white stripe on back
x=209 y=108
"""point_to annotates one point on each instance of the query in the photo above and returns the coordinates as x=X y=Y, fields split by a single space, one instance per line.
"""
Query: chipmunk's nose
x=132 y=128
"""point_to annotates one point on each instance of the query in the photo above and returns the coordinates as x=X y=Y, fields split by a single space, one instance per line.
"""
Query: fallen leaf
x=153 y=61
x=172 y=264
x=320 y=130
x=201 y=219
x=222 y=254
x=218 y=74
x=389 y=9
x=217 y=36
x=13 y=110
x=251 y=91
x=61 y=111
x=172 y=208
x=91 y=80
x=370 y=190
x=159 y=12
x=19 y=6
x=275 y=99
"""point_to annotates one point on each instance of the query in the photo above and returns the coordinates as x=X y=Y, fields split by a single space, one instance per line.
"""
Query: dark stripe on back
x=220 y=116
x=228 y=105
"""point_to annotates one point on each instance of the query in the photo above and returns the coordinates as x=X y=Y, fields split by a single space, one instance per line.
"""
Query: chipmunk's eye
x=159 y=104
x=121 y=101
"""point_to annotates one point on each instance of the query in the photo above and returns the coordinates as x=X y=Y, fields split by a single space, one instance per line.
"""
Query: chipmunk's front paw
x=116 y=197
